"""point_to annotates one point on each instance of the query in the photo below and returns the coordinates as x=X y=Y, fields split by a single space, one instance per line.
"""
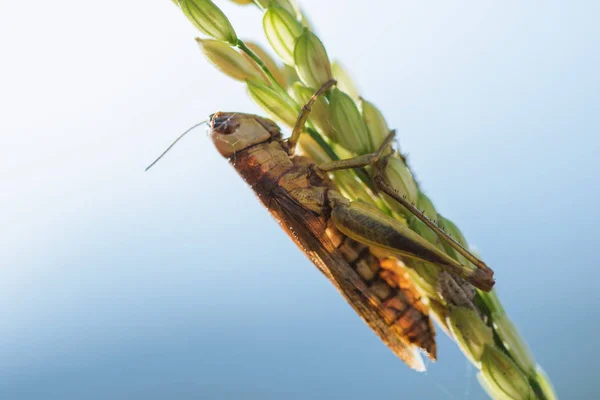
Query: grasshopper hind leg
x=370 y=226
x=366 y=224
x=486 y=273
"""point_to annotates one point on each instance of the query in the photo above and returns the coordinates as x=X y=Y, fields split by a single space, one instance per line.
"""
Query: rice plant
x=342 y=124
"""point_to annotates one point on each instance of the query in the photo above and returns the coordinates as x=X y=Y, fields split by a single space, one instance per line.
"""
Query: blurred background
x=175 y=283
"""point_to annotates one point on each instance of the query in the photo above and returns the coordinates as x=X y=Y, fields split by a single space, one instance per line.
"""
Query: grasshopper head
x=232 y=132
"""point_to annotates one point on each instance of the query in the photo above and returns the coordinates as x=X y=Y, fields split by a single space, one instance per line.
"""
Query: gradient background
x=120 y=284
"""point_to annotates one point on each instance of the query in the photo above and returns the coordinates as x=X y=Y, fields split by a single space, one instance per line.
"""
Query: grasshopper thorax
x=233 y=132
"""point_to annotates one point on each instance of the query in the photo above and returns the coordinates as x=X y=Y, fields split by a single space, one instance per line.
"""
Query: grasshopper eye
x=225 y=125
x=234 y=132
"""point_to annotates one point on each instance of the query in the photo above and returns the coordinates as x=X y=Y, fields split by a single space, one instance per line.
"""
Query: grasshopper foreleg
x=303 y=116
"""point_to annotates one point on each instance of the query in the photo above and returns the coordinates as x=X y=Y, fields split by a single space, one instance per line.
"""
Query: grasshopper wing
x=307 y=230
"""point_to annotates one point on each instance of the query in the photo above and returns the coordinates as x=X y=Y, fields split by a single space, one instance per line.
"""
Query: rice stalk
x=344 y=125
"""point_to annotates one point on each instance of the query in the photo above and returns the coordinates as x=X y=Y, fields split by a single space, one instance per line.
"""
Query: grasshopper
x=352 y=243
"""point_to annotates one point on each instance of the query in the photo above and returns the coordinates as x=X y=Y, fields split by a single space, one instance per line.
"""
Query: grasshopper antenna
x=174 y=143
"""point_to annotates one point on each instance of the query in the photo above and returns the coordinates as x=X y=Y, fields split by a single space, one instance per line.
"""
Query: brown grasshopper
x=353 y=244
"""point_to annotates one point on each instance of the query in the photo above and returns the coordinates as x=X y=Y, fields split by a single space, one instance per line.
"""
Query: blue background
x=120 y=284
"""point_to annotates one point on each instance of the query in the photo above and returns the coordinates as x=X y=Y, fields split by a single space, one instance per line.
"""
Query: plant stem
x=260 y=7
x=242 y=46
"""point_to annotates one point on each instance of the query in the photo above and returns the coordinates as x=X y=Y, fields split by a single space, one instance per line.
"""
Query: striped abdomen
x=389 y=285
